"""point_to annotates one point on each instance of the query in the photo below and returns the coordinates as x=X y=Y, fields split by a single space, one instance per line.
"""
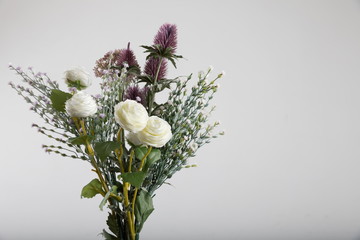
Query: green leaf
x=76 y=84
x=106 y=197
x=58 y=99
x=140 y=152
x=104 y=149
x=143 y=208
x=108 y=236
x=92 y=188
x=103 y=202
x=81 y=140
x=112 y=223
x=134 y=178
x=154 y=156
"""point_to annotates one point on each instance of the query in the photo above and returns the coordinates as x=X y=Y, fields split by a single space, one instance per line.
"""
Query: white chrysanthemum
x=77 y=77
x=81 y=105
x=133 y=138
x=156 y=133
x=131 y=115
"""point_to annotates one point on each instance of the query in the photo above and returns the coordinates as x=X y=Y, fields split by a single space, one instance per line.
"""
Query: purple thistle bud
x=18 y=68
x=10 y=65
x=43 y=146
x=151 y=67
x=167 y=36
x=30 y=68
x=136 y=93
x=34 y=125
x=11 y=84
x=102 y=115
x=127 y=56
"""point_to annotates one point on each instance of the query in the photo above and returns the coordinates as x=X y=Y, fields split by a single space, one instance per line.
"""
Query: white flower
x=133 y=138
x=131 y=115
x=77 y=77
x=156 y=133
x=81 y=105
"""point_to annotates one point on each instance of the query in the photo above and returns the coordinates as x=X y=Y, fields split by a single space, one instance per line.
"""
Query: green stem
x=151 y=102
x=136 y=189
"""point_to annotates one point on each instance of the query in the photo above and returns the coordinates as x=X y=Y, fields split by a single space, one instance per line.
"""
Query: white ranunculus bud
x=77 y=77
x=131 y=115
x=133 y=138
x=81 y=105
x=156 y=133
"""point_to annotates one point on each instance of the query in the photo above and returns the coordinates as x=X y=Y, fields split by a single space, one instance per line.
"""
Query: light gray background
x=288 y=167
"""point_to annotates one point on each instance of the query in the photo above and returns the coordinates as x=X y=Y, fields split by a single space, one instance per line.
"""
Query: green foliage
x=104 y=149
x=112 y=223
x=76 y=84
x=143 y=208
x=108 y=236
x=134 y=178
x=82 y=140
x=91 y=189
x=58 y=99
x=153 y=156
x=157 y=51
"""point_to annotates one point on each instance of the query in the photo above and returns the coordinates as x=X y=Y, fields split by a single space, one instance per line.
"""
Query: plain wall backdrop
x=287 y=168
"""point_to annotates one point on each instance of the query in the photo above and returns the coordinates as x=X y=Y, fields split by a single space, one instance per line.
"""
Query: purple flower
x=116 y=58
x=167 y=36
x=104 y=63
x=127 y=56
x=151 y=67
x=136 y=93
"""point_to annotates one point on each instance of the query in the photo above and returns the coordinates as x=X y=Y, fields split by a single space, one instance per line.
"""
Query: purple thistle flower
x=137 y=94
x=151 y=67
x=127 y=56
x=167 y=36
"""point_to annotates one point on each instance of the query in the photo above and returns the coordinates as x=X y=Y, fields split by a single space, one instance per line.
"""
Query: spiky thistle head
x=151 y=67
x=167 y=36
x=137 y=94
x=127 y=56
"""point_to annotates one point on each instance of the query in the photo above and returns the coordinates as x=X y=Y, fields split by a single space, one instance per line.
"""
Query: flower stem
x=136 y=189
x=151 y=102
x=121 y=150
x=91 y=153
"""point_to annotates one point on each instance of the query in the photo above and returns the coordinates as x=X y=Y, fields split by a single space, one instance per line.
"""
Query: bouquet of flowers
x=133 y=143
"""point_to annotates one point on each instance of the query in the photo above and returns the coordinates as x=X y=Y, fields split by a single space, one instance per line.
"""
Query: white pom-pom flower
x=133 y=139
x=81 y=105
x=156 y=133
x=77 y=77
x=131 y=115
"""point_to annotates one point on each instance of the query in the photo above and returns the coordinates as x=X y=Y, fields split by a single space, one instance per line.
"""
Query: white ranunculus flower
x=131 y=115
x=77 y=77
x=81 y=105
x=156 y=133
x=133 y=138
